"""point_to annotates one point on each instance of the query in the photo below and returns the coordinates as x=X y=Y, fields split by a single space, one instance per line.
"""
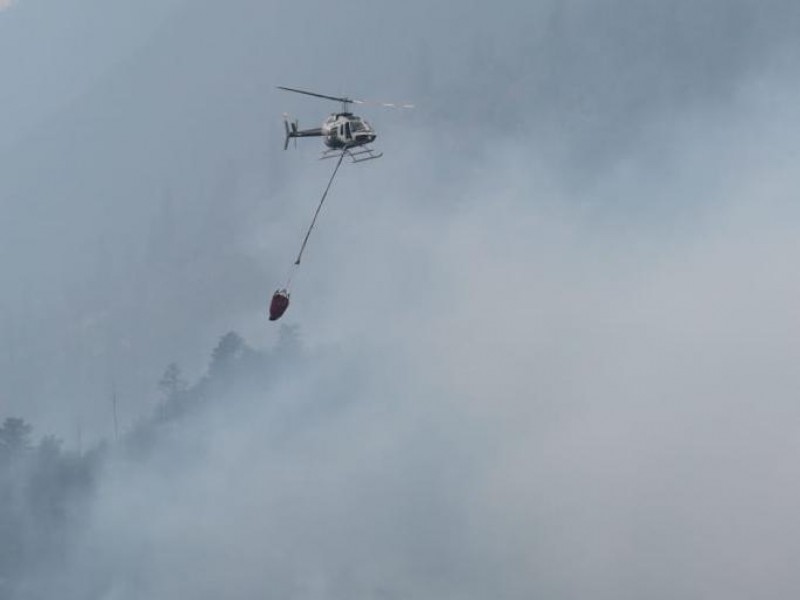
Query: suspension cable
x=322 y=200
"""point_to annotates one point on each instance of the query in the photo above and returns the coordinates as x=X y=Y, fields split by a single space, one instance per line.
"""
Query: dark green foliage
x=171 y=383
x=230 y=350
x=46 y=493
x=15 y=438
x=175 y=391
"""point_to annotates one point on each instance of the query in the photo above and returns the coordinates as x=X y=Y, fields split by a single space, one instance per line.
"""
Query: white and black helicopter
x=342 y=132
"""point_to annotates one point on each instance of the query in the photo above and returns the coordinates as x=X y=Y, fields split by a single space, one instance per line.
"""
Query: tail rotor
x=291 y=128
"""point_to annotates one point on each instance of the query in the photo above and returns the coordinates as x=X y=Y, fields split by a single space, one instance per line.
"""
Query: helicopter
x=344 y=133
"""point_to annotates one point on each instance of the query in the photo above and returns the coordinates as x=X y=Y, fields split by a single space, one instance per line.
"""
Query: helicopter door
x=348 y=135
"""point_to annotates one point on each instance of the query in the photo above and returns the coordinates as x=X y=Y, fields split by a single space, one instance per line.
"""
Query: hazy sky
x=563 y=306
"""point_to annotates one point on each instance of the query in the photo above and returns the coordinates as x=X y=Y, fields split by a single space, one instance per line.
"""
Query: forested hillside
x=47 y=492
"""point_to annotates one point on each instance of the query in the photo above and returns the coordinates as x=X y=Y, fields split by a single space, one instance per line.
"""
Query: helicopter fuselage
x=346 y=130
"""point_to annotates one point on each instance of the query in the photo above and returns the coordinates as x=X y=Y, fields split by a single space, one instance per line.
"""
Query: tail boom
x=293 y=131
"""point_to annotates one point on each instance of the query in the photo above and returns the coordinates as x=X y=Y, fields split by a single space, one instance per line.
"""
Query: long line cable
x=316 y=214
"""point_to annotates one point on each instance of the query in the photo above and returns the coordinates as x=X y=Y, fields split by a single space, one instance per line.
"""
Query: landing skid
x=357 y=154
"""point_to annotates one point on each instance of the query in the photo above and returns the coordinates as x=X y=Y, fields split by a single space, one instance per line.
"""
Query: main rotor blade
x=296 y=91
x=383 y=104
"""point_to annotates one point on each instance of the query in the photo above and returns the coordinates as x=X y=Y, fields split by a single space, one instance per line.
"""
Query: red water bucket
x=279 y=304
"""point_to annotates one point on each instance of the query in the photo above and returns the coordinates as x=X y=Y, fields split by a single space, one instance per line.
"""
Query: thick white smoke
x=552 y=335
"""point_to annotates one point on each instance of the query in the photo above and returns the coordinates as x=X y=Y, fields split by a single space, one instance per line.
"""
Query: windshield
x=357 y=125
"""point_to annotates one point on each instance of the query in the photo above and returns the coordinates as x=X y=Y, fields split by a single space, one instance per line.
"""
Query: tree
x=231 y=348
x=15 y=437
x=174 y=389
x=171 y=383
x=49 y=449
